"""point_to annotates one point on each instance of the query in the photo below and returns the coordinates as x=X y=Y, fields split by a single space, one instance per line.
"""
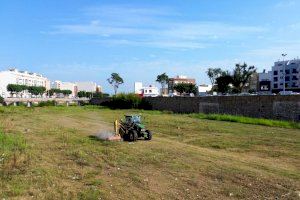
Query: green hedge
x=46 y=103
x=127 y=101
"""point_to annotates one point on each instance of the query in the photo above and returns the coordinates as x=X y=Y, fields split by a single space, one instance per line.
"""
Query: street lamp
x=283 y=56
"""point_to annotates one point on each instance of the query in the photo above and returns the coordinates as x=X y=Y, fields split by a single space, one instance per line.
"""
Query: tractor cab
x=133 y=119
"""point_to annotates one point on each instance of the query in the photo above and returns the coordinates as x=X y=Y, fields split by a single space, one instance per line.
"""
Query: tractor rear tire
x=133 y=136
x=149 y=135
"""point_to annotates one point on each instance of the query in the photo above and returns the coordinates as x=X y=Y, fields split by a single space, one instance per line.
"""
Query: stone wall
x=272 y=107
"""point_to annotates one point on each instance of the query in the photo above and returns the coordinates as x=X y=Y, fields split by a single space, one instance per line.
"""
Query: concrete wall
x=272 y=107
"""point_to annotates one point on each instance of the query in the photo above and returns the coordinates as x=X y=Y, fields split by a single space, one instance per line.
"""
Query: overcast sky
x=88 y=40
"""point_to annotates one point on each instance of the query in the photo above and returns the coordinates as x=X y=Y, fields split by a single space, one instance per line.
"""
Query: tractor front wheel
x=149 y=135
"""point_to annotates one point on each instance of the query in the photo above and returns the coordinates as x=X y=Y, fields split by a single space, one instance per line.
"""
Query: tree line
x=34 y=90
x=39 y=90
x=183 y=88
x=222 y=81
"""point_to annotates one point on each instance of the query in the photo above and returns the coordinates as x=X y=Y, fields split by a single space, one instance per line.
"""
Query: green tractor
x=132 y=129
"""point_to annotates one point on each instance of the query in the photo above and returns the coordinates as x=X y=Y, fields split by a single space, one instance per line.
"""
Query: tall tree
x=241 y=75
x=213 y=74
x=163 y=79
x=115 y=80
x=223 y=83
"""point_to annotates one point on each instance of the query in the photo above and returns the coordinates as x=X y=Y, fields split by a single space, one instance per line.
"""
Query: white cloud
x=152 y=27
x=285 y=4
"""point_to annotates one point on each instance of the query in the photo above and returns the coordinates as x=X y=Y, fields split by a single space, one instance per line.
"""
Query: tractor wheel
x=133 y=136
x=149 y=135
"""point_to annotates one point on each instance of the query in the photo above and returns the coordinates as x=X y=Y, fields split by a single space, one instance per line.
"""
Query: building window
x=294 y=71
x=294 y=84
x=287 y=71
x=150 y=91
x=287 y=78
x=294 y=78
x=275 y=79
x=275 y=85
x=275 y=72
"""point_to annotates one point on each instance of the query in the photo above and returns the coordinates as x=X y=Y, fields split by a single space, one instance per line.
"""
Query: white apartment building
x=283 y=73
x=65 y=86
x=286 y=73
x=14 y=76
x=265 y=81
x=86 y=86
x=145 y=91
x=203 y=89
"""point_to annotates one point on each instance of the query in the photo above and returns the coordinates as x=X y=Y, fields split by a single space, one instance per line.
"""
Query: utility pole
x=283 y=56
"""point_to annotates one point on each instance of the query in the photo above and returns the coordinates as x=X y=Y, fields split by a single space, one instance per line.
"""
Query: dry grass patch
x=188 y=158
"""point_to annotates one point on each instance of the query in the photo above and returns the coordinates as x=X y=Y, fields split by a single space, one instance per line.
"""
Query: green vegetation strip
x=248 y=120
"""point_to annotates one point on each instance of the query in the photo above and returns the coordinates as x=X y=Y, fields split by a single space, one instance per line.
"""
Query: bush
x=124 y=101
x=81 y=94
x=46 y=103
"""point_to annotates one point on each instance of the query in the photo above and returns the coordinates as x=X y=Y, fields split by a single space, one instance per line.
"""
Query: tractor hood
x=141 y=125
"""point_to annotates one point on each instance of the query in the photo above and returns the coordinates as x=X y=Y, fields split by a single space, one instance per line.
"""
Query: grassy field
x=51 y=153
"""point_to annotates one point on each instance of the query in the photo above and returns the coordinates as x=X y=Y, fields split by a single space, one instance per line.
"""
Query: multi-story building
x=14 y=76
x=286 y=73
x=179 y=79
x=265 y=82
x=203 y=89
x=283 y=73
x=145 y=91
x=65 y=86
x=86 y=86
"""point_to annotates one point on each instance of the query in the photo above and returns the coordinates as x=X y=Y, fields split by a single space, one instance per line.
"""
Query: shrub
x=46 y=103
x=124 y=101
x=81 y=94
